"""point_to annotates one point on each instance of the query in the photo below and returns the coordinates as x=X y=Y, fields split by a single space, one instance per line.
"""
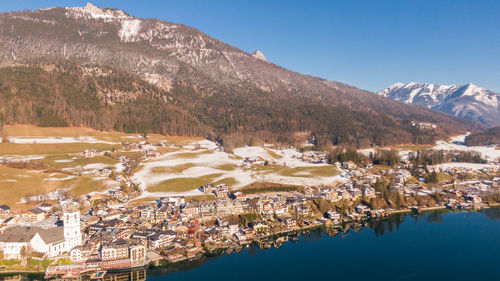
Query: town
x=117 y=228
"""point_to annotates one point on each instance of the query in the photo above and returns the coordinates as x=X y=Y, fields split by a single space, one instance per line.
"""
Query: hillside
x=101 y=68
x=489 y=137
x=467 y=101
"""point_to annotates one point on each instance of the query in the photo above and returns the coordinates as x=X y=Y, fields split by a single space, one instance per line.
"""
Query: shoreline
x=160 y=258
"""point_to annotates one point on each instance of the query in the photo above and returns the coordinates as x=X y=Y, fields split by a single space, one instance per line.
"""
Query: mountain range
x=102 y=68
x=467 y=101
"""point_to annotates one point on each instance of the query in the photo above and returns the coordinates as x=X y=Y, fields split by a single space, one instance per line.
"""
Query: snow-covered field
x=55 y=140
x=208 y=162
x=490 y=153
x=458 y=143
x=472 y=166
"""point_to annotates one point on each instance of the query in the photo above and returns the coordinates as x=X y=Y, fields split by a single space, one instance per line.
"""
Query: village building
x=51 y=242
x=4 y=210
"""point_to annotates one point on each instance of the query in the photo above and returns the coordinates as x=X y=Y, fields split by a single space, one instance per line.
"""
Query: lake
x=435 y=246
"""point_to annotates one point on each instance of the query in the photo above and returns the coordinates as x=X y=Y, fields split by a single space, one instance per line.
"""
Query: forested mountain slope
x=86 y=66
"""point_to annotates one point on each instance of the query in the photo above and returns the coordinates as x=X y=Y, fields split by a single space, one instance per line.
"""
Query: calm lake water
x=436 y=246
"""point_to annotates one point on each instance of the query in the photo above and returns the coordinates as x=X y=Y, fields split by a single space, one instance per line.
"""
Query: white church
x=51 y=242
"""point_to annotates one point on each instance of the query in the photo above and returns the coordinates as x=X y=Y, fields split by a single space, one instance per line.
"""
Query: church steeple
x=72 y=231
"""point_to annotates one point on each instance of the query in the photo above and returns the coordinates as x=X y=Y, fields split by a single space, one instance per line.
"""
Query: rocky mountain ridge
x=189 y=83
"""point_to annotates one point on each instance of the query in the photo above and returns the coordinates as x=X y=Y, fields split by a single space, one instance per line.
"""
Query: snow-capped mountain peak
x=91 y=11
x=469 y=101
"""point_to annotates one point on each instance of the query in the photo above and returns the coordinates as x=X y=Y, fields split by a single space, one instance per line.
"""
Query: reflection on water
x=125 y=275
x=389 y=224
x=492 y=213
x=380 y=227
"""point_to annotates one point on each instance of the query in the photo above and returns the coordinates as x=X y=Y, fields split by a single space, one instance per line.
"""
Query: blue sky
x=370 y=44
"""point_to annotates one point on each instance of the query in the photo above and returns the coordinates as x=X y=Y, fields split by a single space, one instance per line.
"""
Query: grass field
x=303 y=172
x=229 y=181
x=17 y=183
x=183 y=184
x=84 y=185
x=266 y=187
x=200 y=198
x=226 y=167
x=190 y=155
x=173 y=169
x=442 y=177
x=54 y=161
x=30 y=130
x=273 y=154
x=320 y=171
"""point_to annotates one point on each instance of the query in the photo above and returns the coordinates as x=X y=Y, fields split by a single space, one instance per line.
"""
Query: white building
x=18 y=240
x=72 y=231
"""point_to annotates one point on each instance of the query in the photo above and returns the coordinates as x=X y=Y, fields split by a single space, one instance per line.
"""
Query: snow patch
x=55 y=140
x=130 y=28
x=458 y=143
x=91 y=11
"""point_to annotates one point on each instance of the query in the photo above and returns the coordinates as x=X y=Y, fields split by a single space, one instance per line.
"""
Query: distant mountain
x=489 y=137
x=467 y=101
x=102 y=68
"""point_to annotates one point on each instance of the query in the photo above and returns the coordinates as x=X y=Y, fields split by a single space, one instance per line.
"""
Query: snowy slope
x=467 y=101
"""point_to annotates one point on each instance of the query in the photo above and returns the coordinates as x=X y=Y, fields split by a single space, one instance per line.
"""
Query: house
x=344 y=194
x=175 y=255
x=161 y=214
x=369 y=192
x=331 y=195
x=289 y=222
x=332 y=215
x=264 y=207
x=223 y=207
x=4 y=210
x=361 y=209
x=302 y=209
x=280 y=208
x=221 y=190
x=13 y=241
x=259 y=226
x=349 y=165
x=256 y=160
x=474 y=198
x=221 y=222
x=34 y=215
x=161 y=239
x=117 y=250
x=190 y=210
x=233 y=228
x=238 y=195
x=240 y=236
x=137 y=254
x=207 y=188
x=207 y=209
x=95 y=196
x=51 y=242
x=46 y=207
x=238 y=207
x=80 y=254
x=356 y=193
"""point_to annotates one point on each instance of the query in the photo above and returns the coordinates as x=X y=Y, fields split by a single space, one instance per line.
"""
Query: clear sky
x=370 y=44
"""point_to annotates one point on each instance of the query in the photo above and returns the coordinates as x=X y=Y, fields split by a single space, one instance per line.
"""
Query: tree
x=398 y=201
x=23 y=252
x=432 y=178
